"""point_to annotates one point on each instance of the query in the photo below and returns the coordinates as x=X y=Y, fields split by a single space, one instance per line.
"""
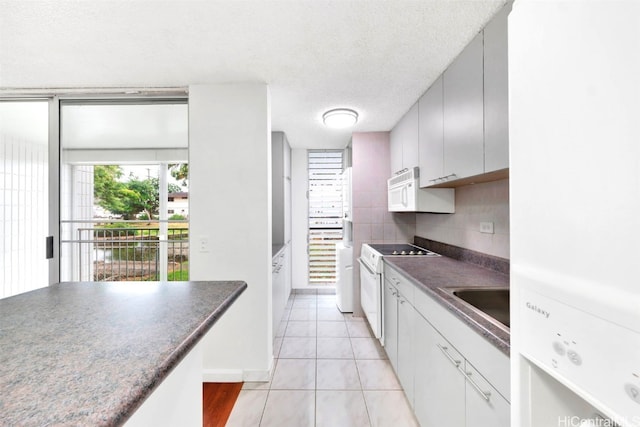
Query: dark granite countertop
x=433 y=275
x=91 y=353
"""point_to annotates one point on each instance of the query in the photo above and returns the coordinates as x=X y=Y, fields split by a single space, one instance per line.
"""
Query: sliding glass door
x=124 y=190
x=92 y=190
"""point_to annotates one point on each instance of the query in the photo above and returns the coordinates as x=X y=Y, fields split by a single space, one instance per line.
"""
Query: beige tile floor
x=329 y=371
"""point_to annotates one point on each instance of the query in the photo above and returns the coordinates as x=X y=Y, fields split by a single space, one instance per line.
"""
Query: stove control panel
x=594 y=357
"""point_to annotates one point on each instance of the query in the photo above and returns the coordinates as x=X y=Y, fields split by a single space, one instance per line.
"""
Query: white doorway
x=325 y=215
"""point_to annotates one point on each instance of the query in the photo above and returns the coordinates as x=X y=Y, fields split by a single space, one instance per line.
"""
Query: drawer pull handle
x=448 y=356
x=485 y=394
x=444 y=178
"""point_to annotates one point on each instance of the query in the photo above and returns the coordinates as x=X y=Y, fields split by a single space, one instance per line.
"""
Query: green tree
x=107 y=190
x=127 y=198
x=141 y=196
x=144 y=196
x=180 y=171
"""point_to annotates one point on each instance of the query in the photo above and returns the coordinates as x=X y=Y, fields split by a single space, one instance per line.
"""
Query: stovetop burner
x=400 y=249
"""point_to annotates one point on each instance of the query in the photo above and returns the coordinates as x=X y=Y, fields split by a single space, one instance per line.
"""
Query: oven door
x=371 y=297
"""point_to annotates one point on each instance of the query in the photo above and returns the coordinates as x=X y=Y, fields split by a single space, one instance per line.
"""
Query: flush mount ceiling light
x=340 y=118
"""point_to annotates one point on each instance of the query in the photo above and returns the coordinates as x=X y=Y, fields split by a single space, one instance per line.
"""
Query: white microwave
x=405 y=195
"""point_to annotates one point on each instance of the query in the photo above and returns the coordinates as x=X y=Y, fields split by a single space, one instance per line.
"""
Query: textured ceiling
x=375 y=56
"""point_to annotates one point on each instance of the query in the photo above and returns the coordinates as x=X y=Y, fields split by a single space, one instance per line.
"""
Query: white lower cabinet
x=398 y=336
x=280 y=285
x=438 y=386
x=440 y=382
x=390 y=326
x=484 y=405
x=448 y=390
x=406 y=367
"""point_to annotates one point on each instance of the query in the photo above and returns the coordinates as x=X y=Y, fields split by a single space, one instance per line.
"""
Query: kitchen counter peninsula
x=91 y=353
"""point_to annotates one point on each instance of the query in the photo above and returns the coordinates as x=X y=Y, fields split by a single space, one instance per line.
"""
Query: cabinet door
x=431 y=148
x=410 y=142
x=277 y=293
x=404 y=141
x=463 y=113
x=405 y=370
x=485 y=407
x=286 y=157
x=287 y=190
x=286 y=273
x=277 y=188
x=439 y=386
x=496 y=99
x=390 y=326
x=287 y=211
x=395 y=148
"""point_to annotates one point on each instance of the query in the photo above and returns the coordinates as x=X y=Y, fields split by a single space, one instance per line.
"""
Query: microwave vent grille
x=408 y=175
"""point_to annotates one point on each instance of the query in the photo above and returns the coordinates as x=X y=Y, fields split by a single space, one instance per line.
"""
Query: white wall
x=575 y=191
x=299 y=218
x=230 y=207
x=372 y=222
x=487 y=202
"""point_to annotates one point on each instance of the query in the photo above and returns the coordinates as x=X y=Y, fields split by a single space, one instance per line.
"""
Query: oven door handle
x=362 y=263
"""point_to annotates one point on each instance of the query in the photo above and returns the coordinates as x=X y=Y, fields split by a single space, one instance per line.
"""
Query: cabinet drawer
x=406 y=288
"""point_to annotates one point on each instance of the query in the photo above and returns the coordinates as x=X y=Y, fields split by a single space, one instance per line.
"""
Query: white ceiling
x=375 y=56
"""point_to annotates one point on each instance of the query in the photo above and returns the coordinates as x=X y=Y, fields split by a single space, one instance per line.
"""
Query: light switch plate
x=486 y=227
x=203 y=242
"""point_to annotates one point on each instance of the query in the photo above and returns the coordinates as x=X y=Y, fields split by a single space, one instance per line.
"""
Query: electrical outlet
x=486 y=227
x=203 y=243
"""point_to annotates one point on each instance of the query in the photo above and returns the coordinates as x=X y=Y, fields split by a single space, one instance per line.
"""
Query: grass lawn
x=177 y=276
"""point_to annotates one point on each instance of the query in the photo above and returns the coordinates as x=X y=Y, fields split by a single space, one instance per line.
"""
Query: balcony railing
x=126 y=251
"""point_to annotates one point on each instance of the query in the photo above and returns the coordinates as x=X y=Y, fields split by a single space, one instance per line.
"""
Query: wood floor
x=217 y=402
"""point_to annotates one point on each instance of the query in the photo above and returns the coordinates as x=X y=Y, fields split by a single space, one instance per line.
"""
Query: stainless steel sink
x=491 y=303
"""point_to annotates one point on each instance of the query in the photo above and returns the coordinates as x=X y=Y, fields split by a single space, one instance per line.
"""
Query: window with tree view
x=123 y=216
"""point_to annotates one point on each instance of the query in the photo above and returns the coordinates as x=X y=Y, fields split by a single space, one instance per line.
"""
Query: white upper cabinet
x=395 y=148
x=281 y=188
x=461 y=121
x=410 y=143
x=463 y=113
x=463 y=116
x=404 y=141
x=431 y=142
x=496 y=93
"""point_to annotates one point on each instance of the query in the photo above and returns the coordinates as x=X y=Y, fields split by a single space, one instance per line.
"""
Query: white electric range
x=372 y=278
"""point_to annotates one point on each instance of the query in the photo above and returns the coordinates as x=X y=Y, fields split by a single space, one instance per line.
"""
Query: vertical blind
x=325 y=214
